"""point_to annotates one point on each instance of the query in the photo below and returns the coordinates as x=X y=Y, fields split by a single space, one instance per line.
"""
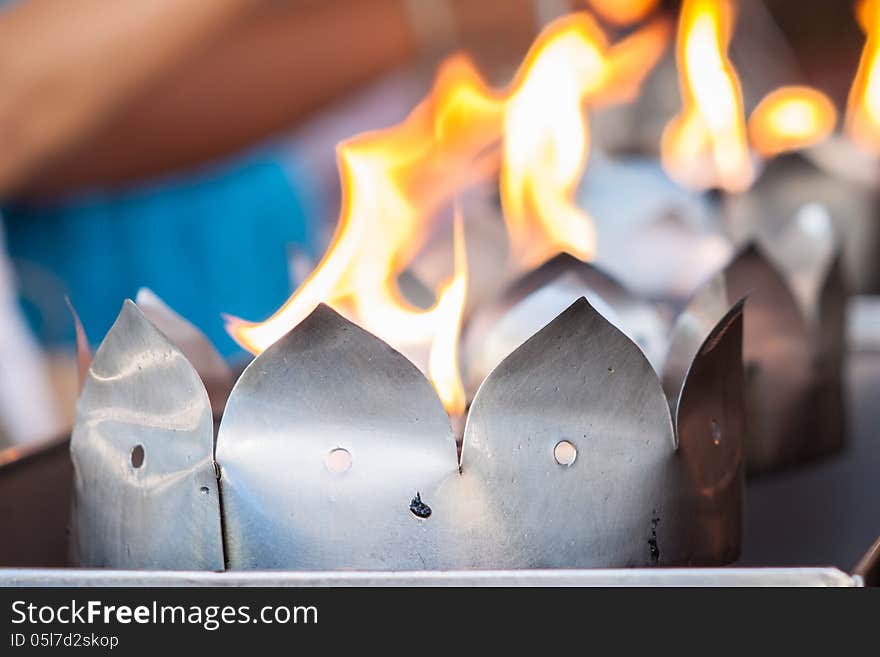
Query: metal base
x=828 y=577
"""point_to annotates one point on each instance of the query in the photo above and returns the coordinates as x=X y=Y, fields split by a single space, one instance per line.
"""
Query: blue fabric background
x=208 y=242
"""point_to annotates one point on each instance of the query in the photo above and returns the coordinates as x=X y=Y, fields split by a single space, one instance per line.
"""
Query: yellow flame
x=705 y=146
x=393 y=183
x=863 y=105
x=396 y=181
x=443 y=367
x=546 y=130
x=791 y=118
x=624 y=12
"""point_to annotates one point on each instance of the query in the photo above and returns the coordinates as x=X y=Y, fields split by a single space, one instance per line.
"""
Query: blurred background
x=189 y=147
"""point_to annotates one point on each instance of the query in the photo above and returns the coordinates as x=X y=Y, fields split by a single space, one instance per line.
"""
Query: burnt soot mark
x=137 y=456
x=652 y=542
x=418 y=508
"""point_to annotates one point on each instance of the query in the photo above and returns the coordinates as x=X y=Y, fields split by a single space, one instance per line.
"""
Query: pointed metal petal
x=578 y=380
x=291 y=499
x=83 y=350
x=805 y=250
x=777 y=356
x=669 y=255
x=540 y=296
x=211 y=367
x=146 y=490
x=710 y=425
x=690 y=330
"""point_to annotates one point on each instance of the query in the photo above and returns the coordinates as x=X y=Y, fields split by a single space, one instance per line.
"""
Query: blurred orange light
x=863 y=105
x=705 y=145
x=791 y=118
x=624 y=12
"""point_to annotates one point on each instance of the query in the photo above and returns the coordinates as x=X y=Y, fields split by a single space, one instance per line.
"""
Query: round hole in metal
x=565 y=453
x=338 y=460
x=137 y=456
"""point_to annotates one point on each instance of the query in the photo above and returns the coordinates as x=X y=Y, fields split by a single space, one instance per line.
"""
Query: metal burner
x=572 y=456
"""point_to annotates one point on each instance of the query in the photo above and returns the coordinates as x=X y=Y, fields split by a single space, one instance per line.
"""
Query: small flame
x=396 y=181
x=863 y=106
x=546 y=130
x=791 y=118
x=443 y=367
x=624 y=12
x=705 y=146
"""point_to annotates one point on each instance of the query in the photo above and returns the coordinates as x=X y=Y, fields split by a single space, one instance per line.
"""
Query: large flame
x=546 y=130
x=791 y=118
x=393 y=183
x=396 y=181
x=863 y=106
x=705 y=146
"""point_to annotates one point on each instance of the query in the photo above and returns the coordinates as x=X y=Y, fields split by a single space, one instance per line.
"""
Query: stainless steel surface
x=702 y=376
x=821 y=577
x=146 y=491
x=658 y=239
x=791 y=181
x=689 y=331
x=806 y=251
x=823 y=513
x=330 y=385
x=710 y=425
x=622 y=501
x=494 y=330
x=335 y=453
x=793 y=365
x=195 y=346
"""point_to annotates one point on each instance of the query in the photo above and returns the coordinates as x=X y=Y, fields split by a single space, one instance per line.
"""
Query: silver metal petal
x=689 y=332
x=778 y=363
x=332 y=450
x=537 y=298
x=710 y=425
x=83 y=350
x=146 y=490
x=568 y=456
x=203 y=356
x=805 y=250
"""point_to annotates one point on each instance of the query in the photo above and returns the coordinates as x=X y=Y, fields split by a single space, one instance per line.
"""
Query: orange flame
x=705 y=146
x=395 y=181
x=546 y=130
x=624 y=12
x=863 y=106
x=791 y=118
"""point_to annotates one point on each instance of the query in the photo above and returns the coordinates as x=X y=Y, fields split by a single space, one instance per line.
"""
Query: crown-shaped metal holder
x=334 y=452
x=794 y=335
x=794 y=340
